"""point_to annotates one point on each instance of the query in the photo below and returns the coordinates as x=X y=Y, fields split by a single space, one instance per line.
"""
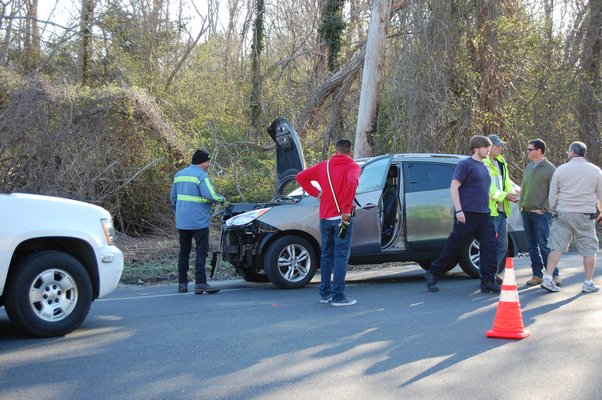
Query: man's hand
x=512 y=197
x=461 y=217
x=346 y=217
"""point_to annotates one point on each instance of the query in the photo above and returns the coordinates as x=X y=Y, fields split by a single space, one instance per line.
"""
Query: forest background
x=103 y=100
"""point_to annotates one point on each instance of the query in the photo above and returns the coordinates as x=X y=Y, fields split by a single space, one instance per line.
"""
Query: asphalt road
x=252 y=341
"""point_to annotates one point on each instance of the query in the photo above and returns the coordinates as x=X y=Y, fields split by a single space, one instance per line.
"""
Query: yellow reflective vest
x=497 y=194
x=191 y=197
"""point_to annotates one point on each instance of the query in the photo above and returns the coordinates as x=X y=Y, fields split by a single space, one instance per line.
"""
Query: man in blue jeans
x=469 y=190
x=502 y=192
x=338 y=179
x=535 y=209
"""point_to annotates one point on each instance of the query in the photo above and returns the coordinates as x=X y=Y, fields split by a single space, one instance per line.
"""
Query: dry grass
x=154 y=260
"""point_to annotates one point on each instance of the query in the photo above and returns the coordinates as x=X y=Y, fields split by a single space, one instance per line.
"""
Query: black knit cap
x=200 y=156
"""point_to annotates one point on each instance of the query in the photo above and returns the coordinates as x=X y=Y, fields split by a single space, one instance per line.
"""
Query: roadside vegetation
x=104 y=100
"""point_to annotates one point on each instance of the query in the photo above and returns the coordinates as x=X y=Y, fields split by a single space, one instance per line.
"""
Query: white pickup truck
x=56 y=257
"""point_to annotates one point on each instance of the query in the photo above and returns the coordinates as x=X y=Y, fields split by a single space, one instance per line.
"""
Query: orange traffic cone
x=508 y=323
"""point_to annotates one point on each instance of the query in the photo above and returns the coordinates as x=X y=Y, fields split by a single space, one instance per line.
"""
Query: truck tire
x=49 y=294
x=290 y=262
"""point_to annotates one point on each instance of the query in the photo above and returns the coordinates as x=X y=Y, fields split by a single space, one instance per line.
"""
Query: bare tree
x=32 y=36
x=257 y=49
x=85 y=43
x=588 y=106
x=367 y=120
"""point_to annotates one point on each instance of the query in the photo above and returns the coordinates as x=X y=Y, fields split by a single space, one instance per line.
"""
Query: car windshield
x=299 y=190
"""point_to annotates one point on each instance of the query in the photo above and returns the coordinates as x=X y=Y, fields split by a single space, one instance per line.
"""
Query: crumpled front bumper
x=242 y=245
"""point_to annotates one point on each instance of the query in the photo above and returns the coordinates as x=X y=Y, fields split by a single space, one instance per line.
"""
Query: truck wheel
x=49 y=294
x=290 y=262
x=469 y=259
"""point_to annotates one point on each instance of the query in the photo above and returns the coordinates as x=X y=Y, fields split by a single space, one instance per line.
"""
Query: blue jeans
x=537 y=230
x=201 y=240
x=333 y=261
x=501 y=230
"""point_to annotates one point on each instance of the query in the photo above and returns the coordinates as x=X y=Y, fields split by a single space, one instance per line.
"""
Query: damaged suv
x=403 y=212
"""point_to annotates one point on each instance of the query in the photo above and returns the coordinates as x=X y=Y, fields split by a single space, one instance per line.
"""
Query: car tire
x=252 y=276
x=49 y=294
x=469 y=259
x=290 y=262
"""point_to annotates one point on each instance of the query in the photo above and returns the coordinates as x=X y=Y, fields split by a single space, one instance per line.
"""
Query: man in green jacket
x=535 y=209
x=501 y=193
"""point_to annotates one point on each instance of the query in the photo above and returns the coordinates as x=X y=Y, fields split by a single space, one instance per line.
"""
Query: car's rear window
x=425 y=176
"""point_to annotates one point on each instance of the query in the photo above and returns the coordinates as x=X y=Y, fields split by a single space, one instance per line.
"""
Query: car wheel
x=252 y=276
x=290 y=262
x=49 y=294
x=469 y=259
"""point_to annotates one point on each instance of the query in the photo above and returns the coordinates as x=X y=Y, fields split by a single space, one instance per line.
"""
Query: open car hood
x=289 y=153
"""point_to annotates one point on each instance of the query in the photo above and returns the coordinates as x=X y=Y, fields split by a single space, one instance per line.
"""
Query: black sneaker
x=344 y=302
x=491 y=287
x=431 y=281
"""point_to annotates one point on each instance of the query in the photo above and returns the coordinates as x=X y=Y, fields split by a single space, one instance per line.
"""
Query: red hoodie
x=344 y=173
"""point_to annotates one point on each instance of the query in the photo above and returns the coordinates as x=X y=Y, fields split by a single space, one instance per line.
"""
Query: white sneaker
x=550 y=286
x=590 y=287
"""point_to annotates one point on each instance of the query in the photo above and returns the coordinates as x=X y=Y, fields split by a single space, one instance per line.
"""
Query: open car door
x=367 y=225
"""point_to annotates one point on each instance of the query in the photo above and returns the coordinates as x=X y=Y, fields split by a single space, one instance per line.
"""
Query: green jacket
x=496 y=195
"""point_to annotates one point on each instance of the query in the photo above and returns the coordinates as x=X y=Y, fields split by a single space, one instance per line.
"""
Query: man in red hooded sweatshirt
x=336 y=207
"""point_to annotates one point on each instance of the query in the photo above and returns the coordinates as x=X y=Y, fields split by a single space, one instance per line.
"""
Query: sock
x=589 y=282
x=547 y=277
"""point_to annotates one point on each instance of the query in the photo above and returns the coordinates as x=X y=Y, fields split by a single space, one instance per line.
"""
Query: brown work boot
x=182 y=288
x=199 y=288
x=535 y=280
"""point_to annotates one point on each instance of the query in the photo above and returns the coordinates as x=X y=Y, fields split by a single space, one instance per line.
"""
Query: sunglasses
x=529 y=149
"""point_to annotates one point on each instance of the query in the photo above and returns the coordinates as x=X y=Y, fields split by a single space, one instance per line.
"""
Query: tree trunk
x=588 y=106
x=32 y=36
x=256 y=83
x=85 y=50
x=367 y=119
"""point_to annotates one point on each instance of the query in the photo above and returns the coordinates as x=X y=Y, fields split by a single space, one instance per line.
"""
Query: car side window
x=424 y=176
x=373 y=176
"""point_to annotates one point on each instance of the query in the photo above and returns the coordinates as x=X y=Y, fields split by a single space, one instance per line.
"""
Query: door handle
x=368 y=206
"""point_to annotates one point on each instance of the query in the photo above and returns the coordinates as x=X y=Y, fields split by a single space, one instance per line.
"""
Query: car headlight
x=247 y=217
x=109 y=230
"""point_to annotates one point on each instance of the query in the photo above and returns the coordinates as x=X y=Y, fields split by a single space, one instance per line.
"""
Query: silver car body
x=403 y=213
